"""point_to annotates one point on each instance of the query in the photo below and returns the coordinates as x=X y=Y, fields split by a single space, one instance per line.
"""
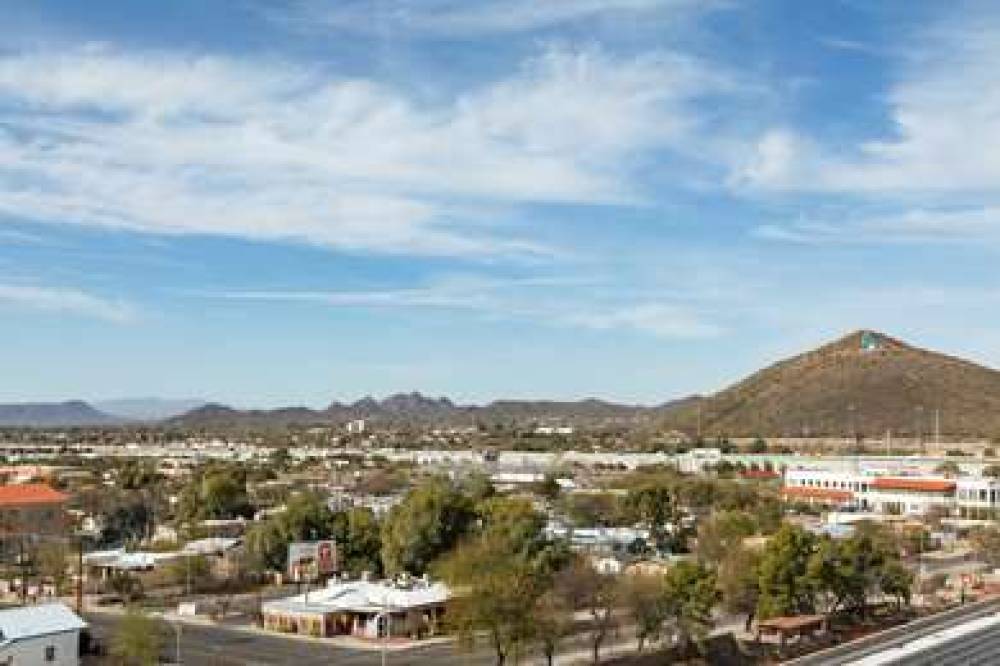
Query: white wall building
x=967 y=497
x=45 y=635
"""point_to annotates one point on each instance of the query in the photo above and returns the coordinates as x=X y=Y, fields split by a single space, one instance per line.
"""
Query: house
x=45 y=635
x=361 y=608
x=34 y=508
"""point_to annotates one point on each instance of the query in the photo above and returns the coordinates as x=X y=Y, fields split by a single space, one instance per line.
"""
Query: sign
x=311 y=559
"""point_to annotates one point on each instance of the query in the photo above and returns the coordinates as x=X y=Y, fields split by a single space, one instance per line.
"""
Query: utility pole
x=79 y=575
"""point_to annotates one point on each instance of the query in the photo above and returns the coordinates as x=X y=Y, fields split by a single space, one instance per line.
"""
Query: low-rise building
x=44 y=635
x=361 y=608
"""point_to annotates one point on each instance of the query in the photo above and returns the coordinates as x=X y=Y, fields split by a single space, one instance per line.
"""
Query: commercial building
x=30 y=511
x=45 y=635
x=966 y=497
x=361 y=608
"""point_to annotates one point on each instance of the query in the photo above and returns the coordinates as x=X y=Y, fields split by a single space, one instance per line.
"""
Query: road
x=849 y=653
x=213 y=645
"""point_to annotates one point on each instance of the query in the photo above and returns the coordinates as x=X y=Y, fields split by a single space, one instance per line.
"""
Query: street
x=216 y=646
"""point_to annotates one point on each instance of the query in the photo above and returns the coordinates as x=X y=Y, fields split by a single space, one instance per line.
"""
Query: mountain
x=53 y=414
x=412 y=408
x=147 y=409
x=865 y=383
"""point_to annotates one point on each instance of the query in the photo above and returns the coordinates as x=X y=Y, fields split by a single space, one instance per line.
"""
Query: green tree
x=739 y=582
x=495 y=592
x=137 y=639
x=359 y=540
x=948 y=468
x=306 y=517
x=785 y=585
x=552 y=618
x=517 y=519
x=722 y=533
x=587 y=589
x=193 y=573
x=425 y=525
x=986 y=544
x=643 y=596
x=653 y=505
x=217 y=492
x=691 y=594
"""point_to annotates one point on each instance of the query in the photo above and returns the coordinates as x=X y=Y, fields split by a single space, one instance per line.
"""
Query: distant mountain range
x=147 y=409
x=865 y=383
x=54 y=415
x=414 y=408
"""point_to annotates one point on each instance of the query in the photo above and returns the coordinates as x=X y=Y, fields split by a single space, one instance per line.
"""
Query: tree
x=216 y=492
x=51 y=559
x=896 y=581
x=548 y=487
x=992 y=471
x=425 y=525
x=691 y=594
x=785 y=585
x=739 y=582
x=306 y=517
x=137 y=639
x=495 y=594
x=552 y=618
x=948 y=468
x=516 y=519
x=986 y=543
x=193 y=573
x=722 y=533
x=587 y=589
x=359 y=540
x=653 y=505
x=643 y=596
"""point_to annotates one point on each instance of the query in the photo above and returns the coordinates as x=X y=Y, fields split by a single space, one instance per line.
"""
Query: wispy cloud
x=176 y=144
x=566 y=302
x=65 y=301
x=465 y=18
x=943 y=113
x=918 y=225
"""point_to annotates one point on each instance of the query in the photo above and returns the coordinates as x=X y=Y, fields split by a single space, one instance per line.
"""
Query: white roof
x=362 y=596
x=210 y=546
x=18 y=624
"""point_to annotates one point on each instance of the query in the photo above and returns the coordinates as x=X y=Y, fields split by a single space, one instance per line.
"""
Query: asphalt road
x=848 y=653
x=218 y=646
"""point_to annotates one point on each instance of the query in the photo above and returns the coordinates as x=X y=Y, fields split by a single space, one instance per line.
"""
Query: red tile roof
x=30 y=493
x=824 y=494
x=916 y=485
x=760 y=474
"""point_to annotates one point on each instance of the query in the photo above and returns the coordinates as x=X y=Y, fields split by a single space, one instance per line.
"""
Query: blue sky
x=271 y=203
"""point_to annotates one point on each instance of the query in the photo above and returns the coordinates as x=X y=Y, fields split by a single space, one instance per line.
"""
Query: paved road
x=211 y=646
x=875 y=643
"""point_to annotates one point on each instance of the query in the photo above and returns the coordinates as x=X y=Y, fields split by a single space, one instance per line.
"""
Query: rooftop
x=30 y=621
x=361 y=596
x=30 y=493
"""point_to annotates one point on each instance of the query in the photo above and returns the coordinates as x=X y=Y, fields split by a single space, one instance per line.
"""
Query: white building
x=361 y=608
x=356 y=427
x=45 y=635
x=967 y=497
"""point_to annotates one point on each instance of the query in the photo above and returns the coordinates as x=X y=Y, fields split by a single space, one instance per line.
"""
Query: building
x=361 y=608
x=899 y=494
x=45 y=635
x=30 y=511
x=356 y=427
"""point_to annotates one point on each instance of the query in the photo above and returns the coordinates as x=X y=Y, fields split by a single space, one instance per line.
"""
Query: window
x=50 y=653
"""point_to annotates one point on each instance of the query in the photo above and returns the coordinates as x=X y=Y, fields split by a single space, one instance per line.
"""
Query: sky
x=273 y=203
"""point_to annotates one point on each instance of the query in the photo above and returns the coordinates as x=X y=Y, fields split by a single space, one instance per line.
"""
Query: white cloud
x=566 y=302
x=471 y=18
x=66 y=301
x=175 y=144
x=663 y=320
x=943 y=137
x=917 y=225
